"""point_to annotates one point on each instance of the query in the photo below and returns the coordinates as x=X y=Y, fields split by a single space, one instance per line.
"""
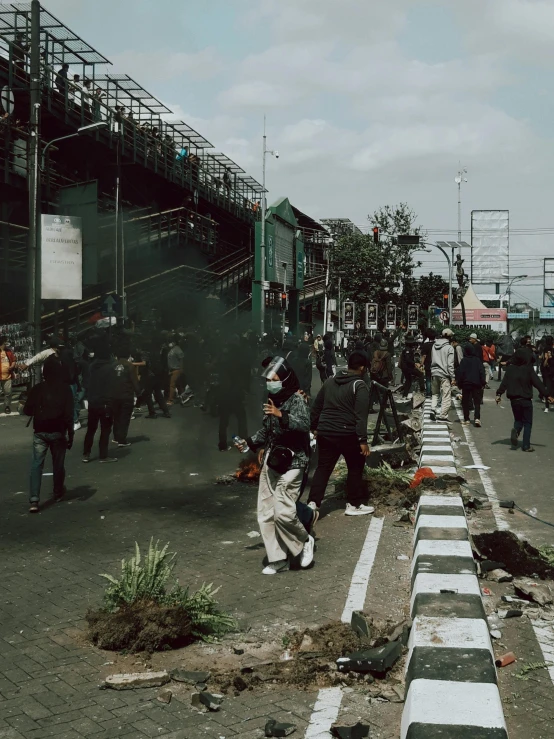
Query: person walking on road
x=470 y=378
x=519 y=380
x=442 y=375
x=7 y=367
x=100 y=404
x=50 y=403
x=175 y=358
x=339 y=420
x=426 y=350
x=283 y=447
x=381 y=371
x=329 y=358
x=125 y=387
x=547 y=368
x=409 y=368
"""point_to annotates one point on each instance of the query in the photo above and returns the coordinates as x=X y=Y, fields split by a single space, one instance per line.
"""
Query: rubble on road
x=131 y=680
x=356 y=731
x=521 y=558
x=376 y=661
x=531 y=590
x=212 y=701
x=164 y=696
x=274 y=728
x=499 y=576
x=181 y=675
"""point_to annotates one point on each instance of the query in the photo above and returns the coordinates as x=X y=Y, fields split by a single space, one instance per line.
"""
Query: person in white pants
x=442 y=375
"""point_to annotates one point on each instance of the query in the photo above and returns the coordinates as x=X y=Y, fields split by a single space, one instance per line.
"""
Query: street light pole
x=460 y=177
x=33 y=249
x=265 y=152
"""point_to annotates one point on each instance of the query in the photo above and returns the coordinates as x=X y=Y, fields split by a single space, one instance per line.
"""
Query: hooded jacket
x=442 y=359
x=342 y=407
x=520 y=379
x=101 y=383
x=470 y=373
x=50 y=403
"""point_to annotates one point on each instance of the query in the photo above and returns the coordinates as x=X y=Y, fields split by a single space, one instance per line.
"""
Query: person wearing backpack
x=50 y=403
x=381 y=370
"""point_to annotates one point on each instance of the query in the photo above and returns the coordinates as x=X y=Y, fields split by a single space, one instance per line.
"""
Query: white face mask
x=274 y=386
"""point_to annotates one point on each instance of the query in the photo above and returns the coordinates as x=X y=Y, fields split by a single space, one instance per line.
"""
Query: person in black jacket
x=329 y=358
x=519 y=380
x=470 y=378
x=50 y=403
x=126 y=386
x=100 y=404
x=339 y=419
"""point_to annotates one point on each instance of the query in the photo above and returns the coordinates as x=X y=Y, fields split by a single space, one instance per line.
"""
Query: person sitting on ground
x=283 y=448
x=470 y=378
x=50 y=403
x=519 y=380
x=339 y=420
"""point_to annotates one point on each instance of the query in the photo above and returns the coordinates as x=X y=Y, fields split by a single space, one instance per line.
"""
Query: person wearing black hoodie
x=329 y=358
x=339 y=419
x=519 y=380
x=100 y=403
x=50 y=403
x=470 y=378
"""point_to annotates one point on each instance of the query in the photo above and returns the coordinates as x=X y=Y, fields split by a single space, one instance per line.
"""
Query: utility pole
x=34 y=277
x=262 y=244
x=119 y=244
x=460 y=177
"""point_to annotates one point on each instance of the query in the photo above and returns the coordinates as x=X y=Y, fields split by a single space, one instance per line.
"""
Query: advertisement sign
x=495 y=318
x=523 y=315
x=390 y=321
x=61 y=258
x=371 y=312
x=490 y=239
x=332 y=304
x=348 y=315
x=413 y=317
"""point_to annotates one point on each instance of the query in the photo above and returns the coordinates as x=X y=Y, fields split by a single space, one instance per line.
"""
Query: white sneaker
x=312 y=505
x=307 y=552
x=76 y=426
x=361 y=510
x=275 y=567
x=546 y=410
x=409 y=396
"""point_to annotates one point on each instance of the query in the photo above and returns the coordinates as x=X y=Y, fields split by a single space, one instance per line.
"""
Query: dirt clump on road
x=520 y=558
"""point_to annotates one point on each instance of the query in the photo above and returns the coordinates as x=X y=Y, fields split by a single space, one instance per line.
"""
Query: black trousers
x=228 y=408
x=103 y=416
x=330 y=449
x=122 y=412
x=153 y=386
x=409 y=381
x=471 y=400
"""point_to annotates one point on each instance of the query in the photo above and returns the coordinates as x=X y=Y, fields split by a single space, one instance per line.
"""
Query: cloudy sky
x=368 y=102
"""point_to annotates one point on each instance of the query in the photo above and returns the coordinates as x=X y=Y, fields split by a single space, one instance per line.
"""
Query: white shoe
x=409 y=396
x=275 y=567
x=76 y=426
x=546 y=410
x=85 y=403
x=307 y=552
x=361 y=510
x=312 y=505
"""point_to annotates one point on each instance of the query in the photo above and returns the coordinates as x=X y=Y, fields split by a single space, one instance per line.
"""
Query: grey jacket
x=442 y=359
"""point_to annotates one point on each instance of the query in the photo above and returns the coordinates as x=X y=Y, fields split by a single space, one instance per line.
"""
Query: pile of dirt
x=521 y=559
x=140 y=627
x=385 y=491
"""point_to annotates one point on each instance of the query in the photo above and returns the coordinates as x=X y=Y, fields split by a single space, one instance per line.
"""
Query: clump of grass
x=547 y=553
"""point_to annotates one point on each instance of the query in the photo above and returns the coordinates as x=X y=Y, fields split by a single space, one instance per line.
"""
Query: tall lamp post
x=265 y=152
x=460 y=177
x=450 y=306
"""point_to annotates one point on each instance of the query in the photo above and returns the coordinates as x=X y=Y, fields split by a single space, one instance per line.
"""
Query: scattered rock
x=357 y=731
x=186 y=676
x=511 y=613
x=238 y=650
x=499 y=576
x=274 y=728
x=496 y=634
x=196 y=702
x=131 y=680
x=212 y=701
x=532 y=590
x=393 y=694
x=522 y=559
x=200 y=687
x=164 y=696
x=488 y=565
x=306 y=644
x=240 y=683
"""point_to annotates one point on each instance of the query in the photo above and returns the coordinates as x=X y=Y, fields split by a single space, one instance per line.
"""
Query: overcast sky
x=368 y=102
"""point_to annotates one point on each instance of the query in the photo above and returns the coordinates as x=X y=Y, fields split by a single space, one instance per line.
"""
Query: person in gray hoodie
x=442 y=375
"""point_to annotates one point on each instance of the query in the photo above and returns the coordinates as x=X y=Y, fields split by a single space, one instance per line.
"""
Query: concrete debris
x=240 y=683
x=185 y=676
x=307 y=643
x=403 y=558
x=274 y=728
x=212 y=701
x=532 y=590
x=357 y=731
x=361 y=624
x=511 y=613
x=395 y=694
x=196 y=702
x=496 y=634
x=377 y=660
x=488 y=565
x=129 y=681
x=164 y=696
x=499 y=576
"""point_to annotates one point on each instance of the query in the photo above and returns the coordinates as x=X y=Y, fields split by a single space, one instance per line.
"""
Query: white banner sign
x=490 y=239
x=61 y=258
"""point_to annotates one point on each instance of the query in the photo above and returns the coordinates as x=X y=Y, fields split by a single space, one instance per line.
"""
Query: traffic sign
x=112 y=305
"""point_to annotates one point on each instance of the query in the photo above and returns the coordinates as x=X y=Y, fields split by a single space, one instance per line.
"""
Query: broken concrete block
x=532 y=590
x=500 y=576
x=361 y=624
x=185 y=676
x=488 y=565
x=306 y=643
x=212 y=701
x=377 y=660
x=274 y=728
x=196 y=702
x=511 y=613
x=131 y=680
x=164 y=696
x=240 y=684
x=356 y=731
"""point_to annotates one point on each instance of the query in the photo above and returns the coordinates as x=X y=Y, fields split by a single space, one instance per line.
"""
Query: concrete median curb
x=451 y=680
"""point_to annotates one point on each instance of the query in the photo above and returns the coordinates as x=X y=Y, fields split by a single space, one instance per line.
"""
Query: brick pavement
x=49 y=567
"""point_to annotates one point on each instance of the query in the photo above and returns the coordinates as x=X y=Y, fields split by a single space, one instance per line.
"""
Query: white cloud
x=150 y=67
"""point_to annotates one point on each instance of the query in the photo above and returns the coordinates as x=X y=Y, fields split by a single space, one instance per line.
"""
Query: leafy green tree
x=431 y=290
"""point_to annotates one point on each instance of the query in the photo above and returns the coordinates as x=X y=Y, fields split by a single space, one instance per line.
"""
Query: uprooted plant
x=141 y=613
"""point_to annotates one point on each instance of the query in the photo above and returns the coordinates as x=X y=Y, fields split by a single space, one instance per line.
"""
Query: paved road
x=163 y=486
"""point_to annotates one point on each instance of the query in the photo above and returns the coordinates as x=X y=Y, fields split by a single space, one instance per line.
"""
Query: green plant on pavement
x=145 y=581
x=384 y=472
x=547 y=553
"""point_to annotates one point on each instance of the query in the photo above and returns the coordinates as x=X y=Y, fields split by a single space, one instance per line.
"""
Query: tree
x=380 y=273
x=431 y=290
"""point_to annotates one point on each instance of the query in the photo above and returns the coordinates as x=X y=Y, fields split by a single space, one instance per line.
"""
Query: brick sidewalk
x=162 y=487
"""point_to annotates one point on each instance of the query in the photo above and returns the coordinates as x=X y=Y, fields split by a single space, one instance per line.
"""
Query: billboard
x=61 y=257
x=371 y=313
x=548 y=300
x=490 y=239
x=413 y=317
x=348 y=315
x=390 y=321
